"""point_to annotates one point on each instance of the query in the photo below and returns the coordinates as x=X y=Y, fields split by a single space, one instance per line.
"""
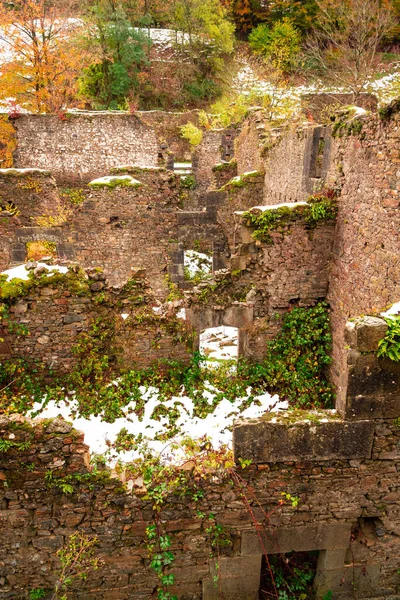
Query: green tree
x=279 y=44
x=205 y=25
x=301 y=12
x=120 y=51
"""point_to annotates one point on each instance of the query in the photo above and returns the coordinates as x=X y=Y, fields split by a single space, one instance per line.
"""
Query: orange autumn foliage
x=40 y=59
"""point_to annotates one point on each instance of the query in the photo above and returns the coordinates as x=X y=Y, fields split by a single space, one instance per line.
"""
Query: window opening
x=197 y=266
x=219 y=346
x=288 y=576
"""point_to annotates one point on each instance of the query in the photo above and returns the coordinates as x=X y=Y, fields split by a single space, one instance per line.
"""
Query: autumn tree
x=39 y=57
x=300 y=12
x=120 y=51
x=205 y=24
x=245 y=14
x=346 y=40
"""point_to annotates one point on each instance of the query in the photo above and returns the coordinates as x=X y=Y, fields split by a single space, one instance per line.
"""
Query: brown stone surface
x=264 y=442
x=335 y=495
x=365 y=270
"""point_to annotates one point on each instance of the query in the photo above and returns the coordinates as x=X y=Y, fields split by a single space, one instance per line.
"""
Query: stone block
x=364 y=333
x=373 y=387
x=263 y=441
x=319 y=536
x=238 y=579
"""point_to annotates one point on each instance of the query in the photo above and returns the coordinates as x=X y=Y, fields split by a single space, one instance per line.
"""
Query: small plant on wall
x=389 y=346
x=39 y=249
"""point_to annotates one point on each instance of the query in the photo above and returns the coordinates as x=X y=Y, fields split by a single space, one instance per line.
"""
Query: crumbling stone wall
x=58 y=308
x=123 y=228
x=296 y=164
x=345 y=476
x=31 y=206
x=115 y=229
x=206 y=155
x=365 y=270
x=249 y=145
x=292 y=270
x=84 y=145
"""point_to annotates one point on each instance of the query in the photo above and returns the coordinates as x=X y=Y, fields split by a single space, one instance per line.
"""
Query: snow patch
x=21 y=272
x=392 y=311
x=112 y=181
x=216 y=426
x=219 y=344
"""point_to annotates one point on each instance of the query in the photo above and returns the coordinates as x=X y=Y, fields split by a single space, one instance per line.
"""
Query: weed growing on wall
x=389 y=346
x=74 y=195
x=320 y=208
x=39 y=249
x=192 y=134
x=77 y=561
x=294 y=367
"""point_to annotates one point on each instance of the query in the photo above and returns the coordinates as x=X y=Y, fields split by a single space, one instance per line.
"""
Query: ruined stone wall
x=123 y=228
x=30 y=208
x=348 y=510
x=296 y=164
x=206 y=155
x=58 y=308
x=248 y=145
x=116 y=229
x=292 y=270
x=365 y=271
x=240 y=197
x=84 y=146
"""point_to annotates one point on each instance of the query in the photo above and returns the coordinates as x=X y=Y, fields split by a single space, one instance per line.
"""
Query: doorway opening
x=220 y=346
x=288 y=576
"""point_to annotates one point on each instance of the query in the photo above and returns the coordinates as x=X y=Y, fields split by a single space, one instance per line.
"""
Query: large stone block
x=263 y=441
x=298 y=539
x=373 y=387
x=364 y=333
x=236 y=578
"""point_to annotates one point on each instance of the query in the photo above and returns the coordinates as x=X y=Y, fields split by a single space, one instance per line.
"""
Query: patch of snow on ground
x=21 y=272
x=215 y=426
x=219 y=344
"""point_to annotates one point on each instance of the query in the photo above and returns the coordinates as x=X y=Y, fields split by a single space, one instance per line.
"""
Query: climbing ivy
x=294 y=368
x=389 y=346
x=320 y=208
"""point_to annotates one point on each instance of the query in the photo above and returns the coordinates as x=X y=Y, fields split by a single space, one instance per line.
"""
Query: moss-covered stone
x=111 y=182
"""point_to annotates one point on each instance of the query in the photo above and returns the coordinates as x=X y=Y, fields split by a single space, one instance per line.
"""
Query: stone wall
x=57 y=309
x=123 y=228
x=296 y=164
x=292 y=270
x=206 y=155
x=116 y=229
x=84 y=146
x=348 y=511
x=368 y=386
x=365 y=270
x=248 y=145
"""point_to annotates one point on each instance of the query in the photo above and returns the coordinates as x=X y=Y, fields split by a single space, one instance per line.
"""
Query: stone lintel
x=333 y=536
x=263 y=441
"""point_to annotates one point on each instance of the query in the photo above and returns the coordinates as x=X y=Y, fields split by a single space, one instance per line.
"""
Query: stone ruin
x=343 y=466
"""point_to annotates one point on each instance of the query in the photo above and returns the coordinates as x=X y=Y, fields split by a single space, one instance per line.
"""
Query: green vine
x=320 y=208
x=389 y=346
